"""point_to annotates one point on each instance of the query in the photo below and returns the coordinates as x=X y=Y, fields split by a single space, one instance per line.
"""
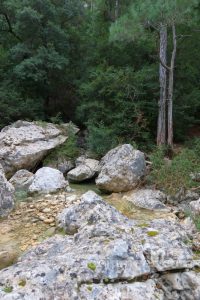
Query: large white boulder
x=122 y=169
x=24 y=144
x=6 y=195
x=86 y=168
x=48 y=180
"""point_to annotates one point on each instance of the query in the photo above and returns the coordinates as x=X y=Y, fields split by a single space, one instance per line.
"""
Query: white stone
x=47 y=180
x=121 y=169
x=148 y=199
x=21 y=180
x=195 y=207
x=86 y=168
x=24 y=144
x=6 y=195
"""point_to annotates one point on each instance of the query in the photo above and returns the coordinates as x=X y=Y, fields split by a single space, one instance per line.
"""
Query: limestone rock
x=47 y=180
x=24 y=144
x=105 y=256
x=195 y=207
x=186 y=196
x=195 y=176
x=148 y=199
x=21 y=180
x=138 y=290
x=6 y=195
x=185 y=285
x=121 y=169
x=65 y=166
x=92 y=209
x=61 y=164
x=86 y=168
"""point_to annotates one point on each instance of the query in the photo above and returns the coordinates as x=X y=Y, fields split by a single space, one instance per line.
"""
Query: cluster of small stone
x=30 y=223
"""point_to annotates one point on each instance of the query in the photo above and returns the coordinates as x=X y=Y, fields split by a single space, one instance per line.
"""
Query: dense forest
x=126 y=71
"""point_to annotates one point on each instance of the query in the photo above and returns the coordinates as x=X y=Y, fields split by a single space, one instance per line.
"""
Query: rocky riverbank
x=112 y=237
x=102 y=255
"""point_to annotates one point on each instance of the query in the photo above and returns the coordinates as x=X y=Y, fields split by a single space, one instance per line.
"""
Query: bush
x=175 y=174
x=68 y=150
x=100 y=140
x=118 y=97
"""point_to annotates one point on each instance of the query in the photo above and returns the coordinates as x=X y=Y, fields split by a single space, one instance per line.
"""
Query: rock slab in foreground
x=47 y=180
x=122 y=169
x=6 y=195
x=105 y=257
x=24 y=144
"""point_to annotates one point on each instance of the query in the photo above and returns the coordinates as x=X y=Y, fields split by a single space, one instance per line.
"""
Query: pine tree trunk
x=171 y=90
x=116 y=9
x=161 y=127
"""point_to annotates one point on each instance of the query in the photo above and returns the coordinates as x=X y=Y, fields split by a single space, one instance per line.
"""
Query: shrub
x=100 y=140
x=68 y=150
x=176 y=174
x=119 y=97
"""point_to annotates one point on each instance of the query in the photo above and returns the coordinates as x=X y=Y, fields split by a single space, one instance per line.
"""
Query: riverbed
x=34 y=219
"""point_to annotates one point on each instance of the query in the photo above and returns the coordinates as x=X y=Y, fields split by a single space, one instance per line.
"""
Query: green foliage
x=91 y=266
x=68 y=150
x=152 y=233
x=57 y=119
x=96 y=69
x=14 y=107
x=8 y=289
x=89 y=287
x=22 y=282
x=140 y=14
x=195 y=218
x=100 y=139
x=106 y=280
x=194 y=144
x=21 y=195
x=39 y=48
x=175 y=174
x=118 y=97
x=197 y=222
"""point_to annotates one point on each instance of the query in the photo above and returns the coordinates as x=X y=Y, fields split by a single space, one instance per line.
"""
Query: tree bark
x=161 y=127
x=116 y=9
x=171 y=89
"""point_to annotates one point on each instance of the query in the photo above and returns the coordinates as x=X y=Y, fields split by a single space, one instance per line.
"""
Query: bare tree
x=171 y=88
x=161 y=127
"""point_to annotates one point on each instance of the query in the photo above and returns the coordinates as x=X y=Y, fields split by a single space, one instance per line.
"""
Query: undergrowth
x=68 y=150
x=171 y=175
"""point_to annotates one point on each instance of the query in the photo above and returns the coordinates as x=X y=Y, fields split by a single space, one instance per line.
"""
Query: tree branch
x=10 y=29
x=164 y=65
